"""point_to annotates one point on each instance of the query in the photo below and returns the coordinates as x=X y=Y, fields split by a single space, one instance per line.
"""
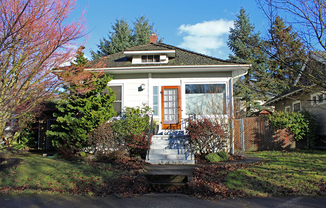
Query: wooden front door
x=171 y=109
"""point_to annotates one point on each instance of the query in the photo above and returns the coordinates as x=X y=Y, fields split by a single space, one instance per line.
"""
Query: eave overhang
x=282 y=97
x=236 y=69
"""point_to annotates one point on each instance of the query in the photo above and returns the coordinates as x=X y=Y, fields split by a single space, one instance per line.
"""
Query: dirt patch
x=8 y=163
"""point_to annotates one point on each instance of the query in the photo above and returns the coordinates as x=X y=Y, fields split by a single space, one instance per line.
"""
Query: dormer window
x=150 y=58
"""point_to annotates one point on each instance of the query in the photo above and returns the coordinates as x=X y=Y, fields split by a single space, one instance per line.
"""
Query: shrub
x=223 y=155
x=134 y=121
x=213 y=157
x=118 y=154
x=301 y=124
x=206 y=136
x=138 y=145
x=104 y=140
x=132 y=128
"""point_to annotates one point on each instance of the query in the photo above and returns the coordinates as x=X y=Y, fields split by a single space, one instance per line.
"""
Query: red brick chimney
x=153 y=38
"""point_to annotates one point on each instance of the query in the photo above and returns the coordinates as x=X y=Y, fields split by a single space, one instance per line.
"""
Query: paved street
x=154 y=200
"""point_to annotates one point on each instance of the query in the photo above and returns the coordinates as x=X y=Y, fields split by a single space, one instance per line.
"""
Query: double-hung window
x=117 y=105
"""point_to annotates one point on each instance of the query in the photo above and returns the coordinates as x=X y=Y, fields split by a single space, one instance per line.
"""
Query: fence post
x=242 y=139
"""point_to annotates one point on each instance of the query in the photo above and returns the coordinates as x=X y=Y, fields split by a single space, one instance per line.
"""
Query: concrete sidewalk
x=155 y=200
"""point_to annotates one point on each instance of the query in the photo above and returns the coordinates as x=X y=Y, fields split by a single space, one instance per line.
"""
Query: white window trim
x=296 y=103
x=138 y=59
x=317 y=96
x=122 y=93
x=183 y=96
x=287 y=107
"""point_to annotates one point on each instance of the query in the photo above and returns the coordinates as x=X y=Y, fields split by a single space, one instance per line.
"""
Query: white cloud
x=208 y=37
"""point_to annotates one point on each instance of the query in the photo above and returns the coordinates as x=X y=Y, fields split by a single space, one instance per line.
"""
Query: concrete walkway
x=155 y=200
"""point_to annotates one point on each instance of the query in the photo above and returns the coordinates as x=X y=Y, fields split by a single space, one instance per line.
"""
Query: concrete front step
x=171 y=162
x=167 y=151
x=170 y=149
x=168 y=157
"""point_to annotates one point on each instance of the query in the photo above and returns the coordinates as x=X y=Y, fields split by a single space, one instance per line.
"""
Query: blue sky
x=200 y=26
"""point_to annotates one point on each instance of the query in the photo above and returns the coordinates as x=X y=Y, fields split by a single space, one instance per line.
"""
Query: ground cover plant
x=34 y=174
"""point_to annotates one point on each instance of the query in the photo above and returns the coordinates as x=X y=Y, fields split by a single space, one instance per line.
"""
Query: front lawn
x=40 y=175
x=282 y=174
x=278 y=174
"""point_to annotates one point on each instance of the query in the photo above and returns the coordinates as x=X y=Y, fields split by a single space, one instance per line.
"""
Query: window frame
x=122 y=96
x=225 y=101
x=287 y=108
x=315 y=98
x=153 y=60
x=158 y=96
x=294 y=103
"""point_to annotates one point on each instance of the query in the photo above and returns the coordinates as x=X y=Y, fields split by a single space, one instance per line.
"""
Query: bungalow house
x=175 y=83
x=305 y=95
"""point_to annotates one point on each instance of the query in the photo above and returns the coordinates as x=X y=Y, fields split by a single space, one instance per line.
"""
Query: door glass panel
x=171 y=106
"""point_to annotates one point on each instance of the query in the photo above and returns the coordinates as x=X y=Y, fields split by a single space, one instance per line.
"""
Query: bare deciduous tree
x=35 y=37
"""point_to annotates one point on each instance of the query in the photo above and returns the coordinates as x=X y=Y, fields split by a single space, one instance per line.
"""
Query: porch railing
x=149 y=138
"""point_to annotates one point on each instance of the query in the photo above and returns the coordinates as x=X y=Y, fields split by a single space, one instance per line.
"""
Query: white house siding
x=132 y=97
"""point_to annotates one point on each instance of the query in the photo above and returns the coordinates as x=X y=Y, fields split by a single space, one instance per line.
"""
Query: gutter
x=284 y=96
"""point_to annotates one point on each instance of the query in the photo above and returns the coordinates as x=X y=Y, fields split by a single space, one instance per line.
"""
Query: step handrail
x=149 y=138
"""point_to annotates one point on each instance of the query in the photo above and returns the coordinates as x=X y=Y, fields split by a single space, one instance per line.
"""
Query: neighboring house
x=174 y=82
x=307 y=97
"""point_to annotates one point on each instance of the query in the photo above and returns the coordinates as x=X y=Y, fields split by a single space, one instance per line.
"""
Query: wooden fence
x=254 y=133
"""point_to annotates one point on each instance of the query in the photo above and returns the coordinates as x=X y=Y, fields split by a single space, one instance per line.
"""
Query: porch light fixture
x=141 y=87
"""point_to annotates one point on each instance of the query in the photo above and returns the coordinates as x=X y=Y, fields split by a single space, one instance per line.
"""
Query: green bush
x=80 y=113
x=301 y=124
x=213 y=157
x=223 y=155
x=133 y=127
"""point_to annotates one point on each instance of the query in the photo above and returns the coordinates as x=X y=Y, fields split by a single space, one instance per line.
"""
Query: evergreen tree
x=142 y=31
x=119 y=39
x=80 y=60
x=246 y=46
x=286 y=52
x=123 y=37
x=81 y=111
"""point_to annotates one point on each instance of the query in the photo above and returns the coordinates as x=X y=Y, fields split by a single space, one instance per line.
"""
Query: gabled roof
x=315 y=56
x=182 y=57
x=284 y=94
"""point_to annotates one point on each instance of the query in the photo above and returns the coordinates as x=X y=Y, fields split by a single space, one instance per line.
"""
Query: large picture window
x=205 y=99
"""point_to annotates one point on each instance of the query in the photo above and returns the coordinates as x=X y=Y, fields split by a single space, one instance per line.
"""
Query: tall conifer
x=122 y=37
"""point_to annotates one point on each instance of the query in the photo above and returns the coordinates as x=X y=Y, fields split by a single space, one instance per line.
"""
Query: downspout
x=232 y=115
